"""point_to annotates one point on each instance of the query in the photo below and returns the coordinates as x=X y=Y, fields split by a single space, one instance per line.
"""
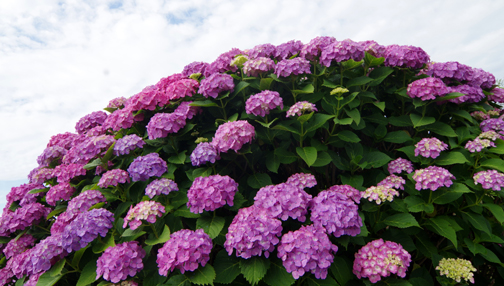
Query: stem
x=223 y=106
x=301 y=136
x=248 y=163
x=154 y=230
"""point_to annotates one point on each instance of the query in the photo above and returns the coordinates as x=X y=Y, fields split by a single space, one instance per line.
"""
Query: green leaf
x=47 y=280
x=203 y=103
x=103 y=244
x=318 y=120
x=496 y=211
x=59 y=209
x=211 y=225
x=497 y=164
x=354 y=114
x=397 y=137
x=381 y=72
x=451 y=95
x=441 y=129
x=355 y=181
x=323 y=158
x=272 y=162
x=400 y=121
x=362 y=80
x=376 y=159
x=179 y=158
x=329 y=84
x=443 y=227
x=312 y=281
x=88 y=274
x=202 y=275
x=344 y=121
x=178 y=280
x=477 y=248
x=277 y=275
x=478 y=222
x=134 y=234
x=380 y=105
x=266 y=125
x=499 y=147
x=265 y=83
x=308 y=154
x=450 y=158
x=93 y=164
x=417 y=204
x=240 y=86
x=254 y=268
x=341 y=270
x=183 y=211
x=402 y=220
x=442 y=196
x=20 y=282
x=259 y=180
x=36 y=191
x=346 y=100
x=348 y=136
x=226 y=267
x=164 y=237
x=284 y=127
x=284 y=156
x=307 y=89
x=418 y=120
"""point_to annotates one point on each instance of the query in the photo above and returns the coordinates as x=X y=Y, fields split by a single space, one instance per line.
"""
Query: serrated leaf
x=178 y=280
x=259 y=180
x=402 y=220
x=443 y=227
x=362 y=80
x=497 y=164
x=164 y=237
x=307 y=89
x=47 y=280
x=240 y=86
x=318 y=120
x=227 y=268
x=254 y=268
x=202 y=275
x=211 y=225
x=203 y=103
x=183 y=211
x=400 y=121
x=312 y=281
x=284 y=127
x=380 y=105
x=450 y=158
x=59 y=209
x=397 y=137
x=348 y=136
x=354 y=114
x=265 y=83
x=445 y=196
x=376 y=159
x=36 y=191
x=323 y=159
x=499 y=147
x=179 y=158
x=277 y=275
x=496 y=211
x=88 y=274
x=103 y=244
x=417 y=204
x=478 y=222
x=266 y=125
x=93 y=164
x=418 y=120
x=344 y=121
x=341 y=270
x=308 y=154
x=441 y=129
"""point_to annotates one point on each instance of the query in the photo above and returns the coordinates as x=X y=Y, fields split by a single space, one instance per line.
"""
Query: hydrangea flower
x=261 y=103
x=428 y=88
x=161 y=186
x=492 y=124
x=194 y=67
x=393 y=181
x=284 y=201
x=39 y=175
x=50 y=154
x=210 y=193
x=432 y=178
x=113 y=178
x=65 y=173
x=145 y=210
x=22 y=218
x=85 y=228
x=223 y=63
x=64 y=140
x=144 y=167
x=163 y=83
x=490 y=135
x=204 y=152
x=480 y=115
x=478 y=144
x=302 y=180
x=399 y=165
x=373 y=48
x=128 y=143
x=287 y=50
x=336 y=213
x=471 y=94
x=301 y=107
x=233 y=135
x=490 y=179
x=252 y=232
x=21 y=194
x=89 y=121
x=307 y=249
x=348 y=191
x=118 y=262
x=186 y=87
x=33 y=280
x=380 y=194
x=121 y=118
x=340 y=51
x=17 y=246
x=62 y=191
x=379 y=259
x=162 y=124
x=263 y=50
x=146 y=99
x=42 y=255
x=185 y=250
x=254 y=67
x=405 y=57
x=215 y=84
x=449 y=71
x=295 y=66
x=88 y=149
x=497 y=95
x=314 y=48
x=125 y=283
x=456 y=269
x=430 y=147
x=117 y=102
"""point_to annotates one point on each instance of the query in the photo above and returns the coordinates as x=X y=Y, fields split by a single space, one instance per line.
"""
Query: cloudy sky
x=61 y=60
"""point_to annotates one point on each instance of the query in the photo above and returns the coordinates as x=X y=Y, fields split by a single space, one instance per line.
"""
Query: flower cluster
x=50 y=154
x=456 y=269
x=17 y=246
x=204 y=152
x=128 y=143
x=254 y=67
x=21 y=194
x=39 y=175
x=302 y=180
x=430 y=147
x=215 y=84
x=194 y=68
x=347 y=190
x=296 y=66
x=432 y=178
x=380 y=194
x=314 y=48
x=340 y=51
x=287 y=50
x=471 y=94
x=300 y=107
x=89 y=121
x=253 y=231
x=22 y=218
x=117 y=102
x=478 y=144
x=497 y=95
x=223 y=63
x=393 y=181
x=144 y=167
x=263 y=50
x=427 y=88
x=145 y=210
x=405 y=56
x=307 y=249
x=379 y=259
x=179 y=89
x=118 y=262
x=162 y=124
x=61 y=191
x=65 y=173
x=261 y=103
x=185 y=250
x=113 y=178
x=233 y=135
x=283 y=201
x=211 y=193
x=161 y=186
x=490 y=179
x=85 y=228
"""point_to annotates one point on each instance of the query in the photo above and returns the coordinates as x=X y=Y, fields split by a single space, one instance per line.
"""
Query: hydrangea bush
x=325 y=163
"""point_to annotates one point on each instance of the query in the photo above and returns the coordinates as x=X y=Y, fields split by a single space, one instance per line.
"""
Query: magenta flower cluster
x=432 y=178
x=261 y=103
x=161 y=186
x=144 y=167
x=393 y=181
x=301 y=107
x=430 y=147
x=399 y=165
x=490 y=179
x=90 y=121
x=62 y=191
x=185 y=250
x=17 y=246
x=204 y=152
x=478 y=144
x=340 y=51
x=145 y=210
x=257 y=66
x=21 y=218
x=428 y=88
x=128 y=143
x=215 y=84
x=405 y=56
x=210 y=193
x=118 y=262
x=295 y=66
x=233 y=135
x=113 y=178
x=314 y=48
x=347 y=190
x=65 y=173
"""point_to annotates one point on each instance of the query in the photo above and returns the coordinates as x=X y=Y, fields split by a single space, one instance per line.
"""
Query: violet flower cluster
x=348 y=191
x=283 y=201
x=428 y=88
x=287 y=50
x=295 y=66
x=204 y=152
x=314 y=48
x=223 y=63
x=490 y=179
x=195 y=68
x=233 y=135
x=405 y=56
x=393 y=181
x=215 y=84
x=263 y=50
x=22 y=218
x=471 y=94
x=62 y=191
x=144 y=167
x=19 y=245
x=300 y=108
x=161 y=186
x=379 y=259
x=399 y=165
x=128 y=143
x=478 y=144
x=65 y=173
x=432 y=178
x=261 y=103
x=340 y=51
x=257 y=66
x=185 y=250
x=50 y=154
x=210 y=193
x=302 y=180
x=430 y=147
x=497 y=95
x=145 y=210
x=118 y=262
x=89 y=121
x=113 y=178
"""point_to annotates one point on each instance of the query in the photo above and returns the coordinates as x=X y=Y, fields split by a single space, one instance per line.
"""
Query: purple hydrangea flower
x=302 y=180
x=287 y=50
x=497 y=95
x=6 y=275
x=89 y=121
x=91 y=147
x=379 y=259
x=50 y=154
x=380 y=194
x=17 y=246
x=254 y=67
x=449 y=71
x=301 y=107
x=313 y=49
x=64 y=140
x=22 y=218
x=480 y=115
x=39 y=175
x=145 y=210
x=33 y=280
x=261 y=103
x=233 y=135
x=492 y=124
x=117 y=102
x=210 y=193
x=399 y=165
x=478 y=144
x=432 y=177
x=347 y=190
x=121 y=118
x=430 y=147
x=62 y=191
x=162 y=124
x=427 y=88
x=179 y=89
x=336 y=213
x=128 y=143
x=340 y=51
x=307 y=249
x=295 y=66
x=20 y=265
x=118 y=262
x=393 y=181
x=113 y=178
x=223 y=63
x=163 y=83
x=144 y=167
x=471 y=94
x=204 y=152
x=264 y=50
x=161 y=186
x=490 y=179
x=185 y=250
x=85 y=228
x=65 y=173
x=405 y=56
x=284 y=201
x=21 y=194
x=253 y=231
x=46 y=253
x=481 y=78
x=194 y=67
x=215 y=84
x=373 y=48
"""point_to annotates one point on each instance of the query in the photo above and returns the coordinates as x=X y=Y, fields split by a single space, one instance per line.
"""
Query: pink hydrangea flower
x=348 y=191
x=497 y=95
x=471 y=94
x=301 y=107
x=379 y=259
x=204 y=152
x=161 y=186
x=254 y=67
x=432 y=178
x=302 y=180
x=117 y=102
x=340 y=51
x=393 y=181
x=22 y=218
x=113 y=178
x=428 y=88
x=89 y=121
x=380 y=194
x=194 y=67
x=118 y=262
x=373 y=48
x=478 y=144
x=223 y=63
x=430 y=147
x=210 y=193
x=405 y=57
x=17 y=246
x=313 y=49
x=179 y=89
x=144 y=167
x=490 y=179
x=65 y=173
x=263 y=50
x=287 y=50
x=62 y=191
x=399 y=165
x=215 y=84
x=50 y=154
x=39 y=175
x=162 y=124
x=295 y=66
x=121 y=118
x=145 y=210
x=233 y=135
x=284 y=201
x=128 y=143
x=261 y=103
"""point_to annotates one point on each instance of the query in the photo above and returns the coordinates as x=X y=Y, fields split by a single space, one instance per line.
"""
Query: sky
x=61 y=60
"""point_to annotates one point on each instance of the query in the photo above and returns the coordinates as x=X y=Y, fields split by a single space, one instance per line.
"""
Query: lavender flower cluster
x=432 y=178
x=118 y=262
x=204 y=152
x=113 y=178
x=161 y=186
x=127 y=144
x=261 y=103
x=233 y=135
x=301 y=107
x=430 y=147
x=211 y=193
x=144 y=167
x=490 y=179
